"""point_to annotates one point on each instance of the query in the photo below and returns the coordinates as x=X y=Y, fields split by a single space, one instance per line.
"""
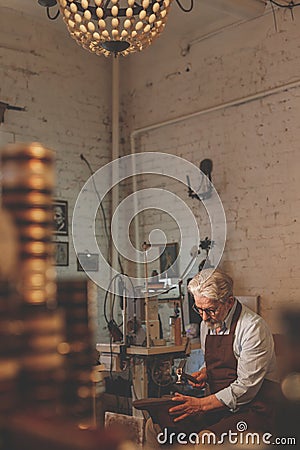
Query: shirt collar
x=228 y=318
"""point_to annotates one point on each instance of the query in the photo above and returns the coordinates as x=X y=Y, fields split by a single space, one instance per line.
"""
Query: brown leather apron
x=221 y=365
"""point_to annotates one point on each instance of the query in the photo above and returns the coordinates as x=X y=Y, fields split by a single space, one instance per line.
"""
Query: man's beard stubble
x=213 y=325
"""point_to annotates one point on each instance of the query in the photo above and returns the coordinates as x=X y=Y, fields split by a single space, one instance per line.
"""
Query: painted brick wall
x=254 y=146
x=66 y=92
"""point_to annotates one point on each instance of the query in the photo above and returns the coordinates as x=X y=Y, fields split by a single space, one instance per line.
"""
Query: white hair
x=213 y=284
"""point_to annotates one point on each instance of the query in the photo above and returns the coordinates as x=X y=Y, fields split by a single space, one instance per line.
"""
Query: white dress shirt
x=253 y=348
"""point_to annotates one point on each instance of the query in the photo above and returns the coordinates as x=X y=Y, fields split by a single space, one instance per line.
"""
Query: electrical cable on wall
x=111 y=322
x=98 y=195
x=117 y=281
x=108 y=235
x=116 y=277
x=113 y=326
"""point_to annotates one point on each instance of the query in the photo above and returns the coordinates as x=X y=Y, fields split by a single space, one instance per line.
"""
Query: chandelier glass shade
x=107 y=27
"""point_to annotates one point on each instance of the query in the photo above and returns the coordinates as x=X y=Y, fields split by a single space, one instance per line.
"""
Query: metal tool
x=182 y=376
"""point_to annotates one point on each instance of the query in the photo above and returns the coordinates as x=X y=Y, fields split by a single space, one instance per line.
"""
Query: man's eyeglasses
x=208 y=311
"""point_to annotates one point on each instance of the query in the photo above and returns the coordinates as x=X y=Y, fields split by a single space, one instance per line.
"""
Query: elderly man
x=239 y=369
x=240 y=366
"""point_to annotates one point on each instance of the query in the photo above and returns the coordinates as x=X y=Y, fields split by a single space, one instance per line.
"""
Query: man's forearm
x=211 y=402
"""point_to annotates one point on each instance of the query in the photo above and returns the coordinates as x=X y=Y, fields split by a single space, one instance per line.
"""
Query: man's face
x=213 y=312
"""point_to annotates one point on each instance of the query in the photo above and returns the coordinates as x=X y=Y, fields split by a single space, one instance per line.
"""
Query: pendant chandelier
x=107 y=27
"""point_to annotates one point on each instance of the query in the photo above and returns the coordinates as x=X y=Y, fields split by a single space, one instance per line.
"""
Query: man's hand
x=201 y=378
x=189 y=406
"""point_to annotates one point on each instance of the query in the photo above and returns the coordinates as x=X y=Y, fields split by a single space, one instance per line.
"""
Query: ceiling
x=206 y=17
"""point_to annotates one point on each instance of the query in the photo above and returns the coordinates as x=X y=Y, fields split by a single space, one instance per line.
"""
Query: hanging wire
x=98 y=196
x=289 y=5
x=292 y=13
x=117 y=276
x=189 y=9
x=108 y=236
x=52 y=17
x=274 y=17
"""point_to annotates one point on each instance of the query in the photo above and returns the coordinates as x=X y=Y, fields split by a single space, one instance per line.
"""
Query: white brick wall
x=254 y=146
x=66 y=92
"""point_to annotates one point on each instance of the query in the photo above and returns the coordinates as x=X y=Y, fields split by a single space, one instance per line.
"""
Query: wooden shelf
x=143 y=351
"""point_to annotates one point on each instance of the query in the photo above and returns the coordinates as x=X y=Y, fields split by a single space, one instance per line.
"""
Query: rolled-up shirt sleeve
x=254 y=352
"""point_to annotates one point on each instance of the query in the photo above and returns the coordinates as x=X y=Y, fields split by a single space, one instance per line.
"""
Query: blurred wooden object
x=29 y=431
x=132 y=427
